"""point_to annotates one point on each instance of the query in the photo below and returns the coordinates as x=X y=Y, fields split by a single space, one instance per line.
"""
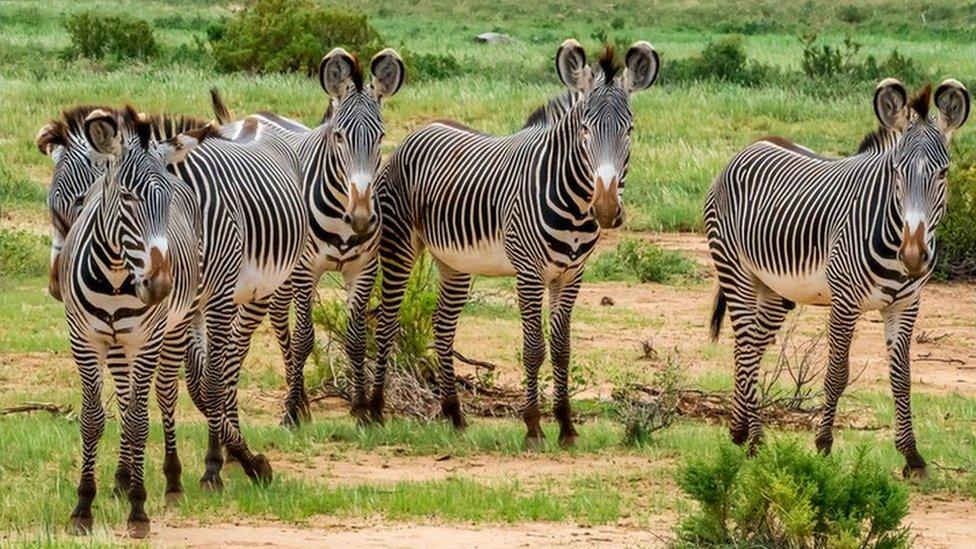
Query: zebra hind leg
x=530 y=292
x=167 y=388
x=840 y=331
x=452 y=294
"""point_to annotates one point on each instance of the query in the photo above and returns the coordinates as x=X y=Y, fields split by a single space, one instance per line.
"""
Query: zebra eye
x=942 y=175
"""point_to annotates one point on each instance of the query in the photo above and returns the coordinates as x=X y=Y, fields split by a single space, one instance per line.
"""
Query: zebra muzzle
x=606 y=207
x=157 y=283
x=914 y=251
x=359 y=211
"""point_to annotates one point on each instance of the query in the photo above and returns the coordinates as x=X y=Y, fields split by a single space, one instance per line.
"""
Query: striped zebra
x=74 y=175
x=339 y=159
x=529 y=205
x=854 y=234
x=130 y=277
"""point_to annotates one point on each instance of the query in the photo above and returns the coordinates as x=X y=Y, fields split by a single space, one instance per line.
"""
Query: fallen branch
x=27 y=407
x=491 y=367
x=928 y=358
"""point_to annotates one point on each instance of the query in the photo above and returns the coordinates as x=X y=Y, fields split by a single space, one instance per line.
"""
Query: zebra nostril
x=924 y=257
x=145 y=283
x=346 y=218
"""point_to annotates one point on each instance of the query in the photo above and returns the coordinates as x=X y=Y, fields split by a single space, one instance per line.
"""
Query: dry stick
x=937 y=359
x=491 y=367
x=37 y=407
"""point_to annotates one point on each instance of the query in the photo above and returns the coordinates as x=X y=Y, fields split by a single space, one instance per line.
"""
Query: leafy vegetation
x=270 y=36
x=22 y=253
x=642 y=261
x=786 y=496
x=96 y=36
x=725 y=60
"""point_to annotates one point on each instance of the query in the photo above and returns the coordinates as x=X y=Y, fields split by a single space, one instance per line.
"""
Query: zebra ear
x=643 y=65
x=102 y=132
x=338 y=72
x=388 y=73
x=571 y=66
x=952 y=100
x=51 y=136
x=891 y=104
x=176 y=148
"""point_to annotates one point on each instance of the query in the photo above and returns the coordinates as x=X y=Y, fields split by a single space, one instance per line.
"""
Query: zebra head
x=355 y=128
x=606 y=120
x=920 y=161
x=136 y=193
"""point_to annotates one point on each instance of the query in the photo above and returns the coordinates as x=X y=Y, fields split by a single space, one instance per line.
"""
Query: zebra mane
x=160 y=126
x=920 y=103
x=608 y=63
x=876 y=140
x=552 y=111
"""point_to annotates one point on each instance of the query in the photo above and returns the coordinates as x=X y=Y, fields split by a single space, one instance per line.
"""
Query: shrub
x=23 y=253
x=852 y=13
x=643 y=261
x=288 y=36
x=956 y=242
x=642 y=417
x=97 y=36
x=724 y=59
x=786 y=496
x=832 y=63
x=431 y=66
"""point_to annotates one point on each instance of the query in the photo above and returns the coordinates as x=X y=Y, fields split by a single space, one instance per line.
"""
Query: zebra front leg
x=451 y=296
x=561 y=302
x=359 y=286
x=397 y=259
x=92 y=427
x=302 y=343
x=118 y=367
x=530 y=292
x=899 y=325
x=167 y=388
x=136 y=426
x=840 y=331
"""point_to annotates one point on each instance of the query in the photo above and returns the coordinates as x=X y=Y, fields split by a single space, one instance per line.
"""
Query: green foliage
x=725 y=60
x=956 y=245
x=643 y=261
x=19 y=190
x=826 y=62
x=431 y=66
x=786 y=496
x=273 y=36
x=22 y=253
x=97 y=36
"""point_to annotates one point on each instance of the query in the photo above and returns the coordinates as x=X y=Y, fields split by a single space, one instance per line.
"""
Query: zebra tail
x=718 y=313
x=221 y=112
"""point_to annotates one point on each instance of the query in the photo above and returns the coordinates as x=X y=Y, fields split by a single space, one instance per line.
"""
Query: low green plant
x=828 y=62
x=725 y=60
x=22 y=253
x=97 y=36
x=956 y=244
x=641 y=261
x=431 y=66
x=273 y=36
x=786 y=496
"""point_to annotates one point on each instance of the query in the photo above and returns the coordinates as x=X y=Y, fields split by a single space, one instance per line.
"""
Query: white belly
x=806 y=289
x=487 y=258
x=257 y=282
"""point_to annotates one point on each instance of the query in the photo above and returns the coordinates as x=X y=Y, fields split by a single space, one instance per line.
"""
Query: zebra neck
x=563 y=168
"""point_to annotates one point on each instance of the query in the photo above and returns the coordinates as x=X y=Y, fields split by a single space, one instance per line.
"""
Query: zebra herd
x=172 y=239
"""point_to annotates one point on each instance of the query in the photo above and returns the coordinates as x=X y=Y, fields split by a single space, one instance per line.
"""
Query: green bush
x=271 y=36
x=431 y=66
x=98 y=36
x=840 y=63
x=786 y=496
x=641 y=261
x=956 y=244
x=724 y=60
x=23 y=253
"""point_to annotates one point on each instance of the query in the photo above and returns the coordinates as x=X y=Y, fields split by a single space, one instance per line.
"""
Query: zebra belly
x=258 y=281
x=807 y=288
x=486 y=258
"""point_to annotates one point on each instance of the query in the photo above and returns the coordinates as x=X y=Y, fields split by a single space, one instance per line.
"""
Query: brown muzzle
x=158 y=280
x=359 y=210
x=914 y=251
x=606 y=207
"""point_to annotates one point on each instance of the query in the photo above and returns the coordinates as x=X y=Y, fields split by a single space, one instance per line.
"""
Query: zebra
x=340 y=159
x=130 y=278
x=74 y=175
x=531 y=205
x=854 y=234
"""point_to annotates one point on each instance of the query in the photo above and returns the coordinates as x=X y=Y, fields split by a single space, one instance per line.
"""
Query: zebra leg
x=899 y=325
x=561 y=302
x=397 y=257
x=452 y=294
x=195 y=361
x=136 y=426
x=840 y=331
x=92 y=427
x=218 y=315
x=359 y=286
x=530 y=291
x=118 y=367
x=279 y=311
x=756 y=317
x=167 y=388
x=302 y=343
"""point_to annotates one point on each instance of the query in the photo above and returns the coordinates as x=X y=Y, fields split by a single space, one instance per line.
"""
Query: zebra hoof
x=173 y=497
x=824 y=445
x=290 y=420
x=80 y=526
x=567 y=441
x=211 y=483
x=138 y=529
x=262 y=470
x=915 y=468
x=535 y=443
